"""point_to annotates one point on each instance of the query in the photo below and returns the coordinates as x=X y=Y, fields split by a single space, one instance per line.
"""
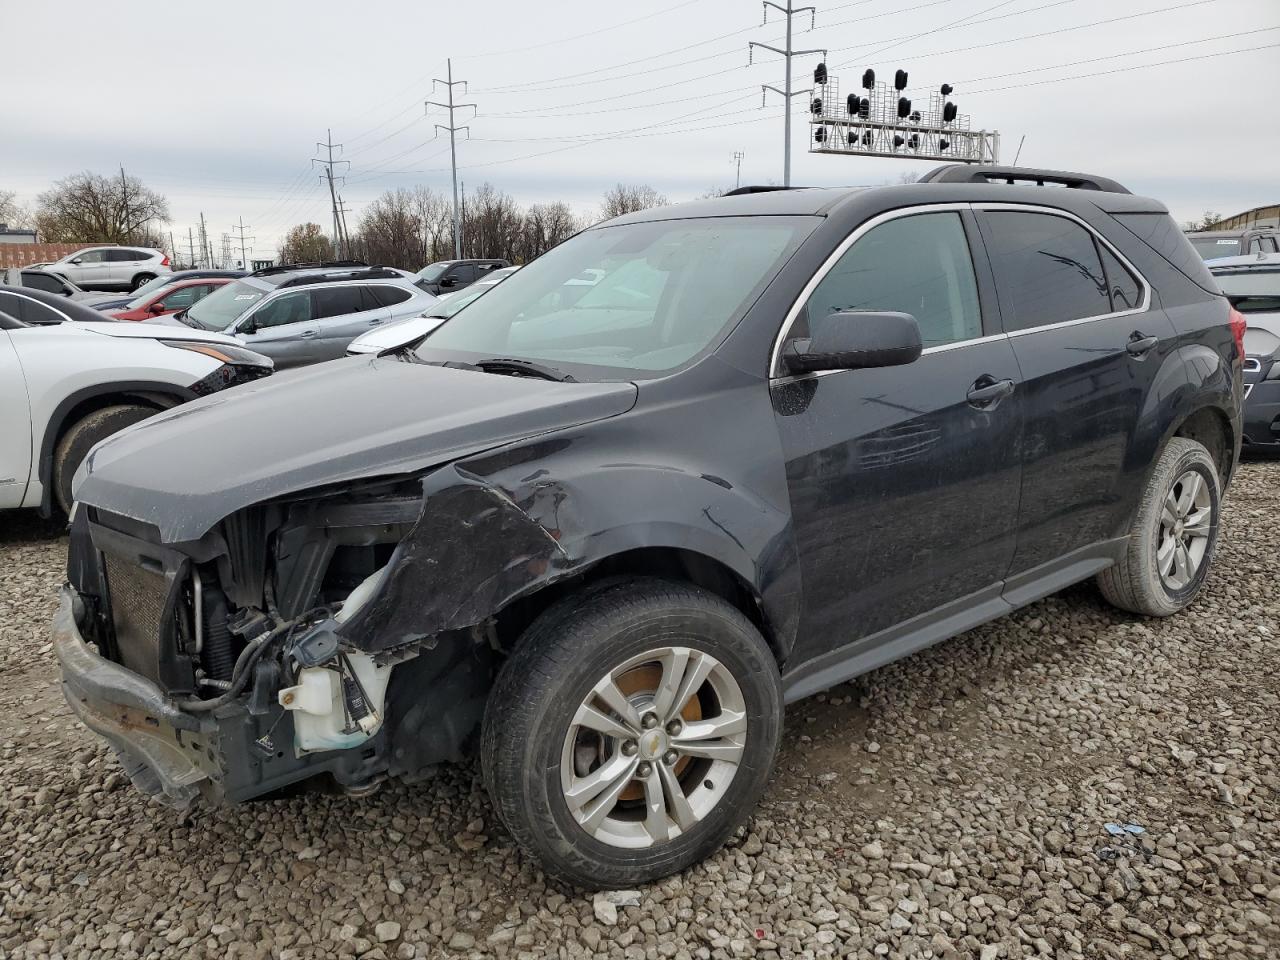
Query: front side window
x=1047 y=270
x=666 y=291
x=92 y=256
x=917 y=264
x=220 y=309
x=185 y=297
x=284 y=309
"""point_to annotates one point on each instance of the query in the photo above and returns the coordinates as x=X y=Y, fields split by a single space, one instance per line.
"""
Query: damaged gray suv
x=600 y=539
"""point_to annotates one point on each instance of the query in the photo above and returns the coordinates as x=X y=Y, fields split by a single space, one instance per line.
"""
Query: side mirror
x=853 y=339
x=157 y=307
x=78 y=260
x=449 y=282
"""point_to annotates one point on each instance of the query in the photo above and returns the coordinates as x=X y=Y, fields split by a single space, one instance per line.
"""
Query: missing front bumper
x=167 y=753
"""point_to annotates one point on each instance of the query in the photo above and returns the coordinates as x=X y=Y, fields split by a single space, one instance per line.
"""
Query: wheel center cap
x=653 y=744
x=1177 y=528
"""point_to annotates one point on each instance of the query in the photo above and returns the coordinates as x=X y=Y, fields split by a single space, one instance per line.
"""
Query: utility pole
x=240 y=229
x=329 y=163
x=787 y=93
x=453 y=129
x=204 y=243
x=342 y=222
x=124 y=200
x=737 y=178
x=173 y=247
x=462 y=220
x=191 y=248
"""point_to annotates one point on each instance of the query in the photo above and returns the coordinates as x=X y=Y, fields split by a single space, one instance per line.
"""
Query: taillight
x=1238 y=327
x=165 y=261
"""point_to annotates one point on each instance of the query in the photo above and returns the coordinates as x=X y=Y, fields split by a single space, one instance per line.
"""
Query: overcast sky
x=219 y=106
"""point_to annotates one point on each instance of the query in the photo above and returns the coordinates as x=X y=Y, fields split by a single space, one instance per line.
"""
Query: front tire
x=631 y=732
x=1172 y=536
x=81 y=437
x=140 y=279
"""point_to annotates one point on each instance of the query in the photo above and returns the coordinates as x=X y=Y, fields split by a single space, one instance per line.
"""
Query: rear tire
x=140 y=279
x=1172 y=536
x=691 y=768
x=80 y=438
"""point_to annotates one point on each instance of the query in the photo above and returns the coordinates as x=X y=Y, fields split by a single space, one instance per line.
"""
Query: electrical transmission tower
x=240 y=235
x=453 y=129
x=226 y=251
x=329 y=163
x=786 y=93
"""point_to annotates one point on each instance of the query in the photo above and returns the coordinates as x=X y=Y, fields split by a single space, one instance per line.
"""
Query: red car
x=169 y=299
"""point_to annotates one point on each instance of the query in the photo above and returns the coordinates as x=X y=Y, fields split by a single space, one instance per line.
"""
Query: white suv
x=69 y=377
x=112 y=268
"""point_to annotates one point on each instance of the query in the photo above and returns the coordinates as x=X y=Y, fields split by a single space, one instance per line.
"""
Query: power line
x=453 y=129
x=241 y=236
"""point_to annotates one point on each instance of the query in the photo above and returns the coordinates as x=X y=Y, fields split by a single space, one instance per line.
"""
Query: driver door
x=903 y=480
x=92 y=269
x=283 y=329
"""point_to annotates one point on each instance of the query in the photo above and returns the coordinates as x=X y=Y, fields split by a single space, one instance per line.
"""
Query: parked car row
x=601 y=524
x=1252 y=285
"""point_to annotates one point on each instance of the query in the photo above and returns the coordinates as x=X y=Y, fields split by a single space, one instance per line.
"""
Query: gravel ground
x=952 y=805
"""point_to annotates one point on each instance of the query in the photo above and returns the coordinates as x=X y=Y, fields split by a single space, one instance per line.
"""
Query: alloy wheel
x=653 y=747
x=1186 y=523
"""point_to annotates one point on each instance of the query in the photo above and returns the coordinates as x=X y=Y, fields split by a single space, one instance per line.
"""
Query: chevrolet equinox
x=601 y=540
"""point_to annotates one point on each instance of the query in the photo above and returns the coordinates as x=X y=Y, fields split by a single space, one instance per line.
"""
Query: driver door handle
x=987 y=392
x=1139 y=346
x=307 y=334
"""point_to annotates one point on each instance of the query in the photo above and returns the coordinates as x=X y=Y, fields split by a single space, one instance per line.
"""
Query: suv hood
x=137 y=331
x=184 y=470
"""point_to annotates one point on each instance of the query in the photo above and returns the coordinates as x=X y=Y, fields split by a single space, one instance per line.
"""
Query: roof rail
x=757 y=188
x=312 y=265
x=336 y=276
x=969 y=173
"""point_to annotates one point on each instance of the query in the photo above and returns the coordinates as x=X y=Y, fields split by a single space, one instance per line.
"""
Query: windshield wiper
x=523 y=367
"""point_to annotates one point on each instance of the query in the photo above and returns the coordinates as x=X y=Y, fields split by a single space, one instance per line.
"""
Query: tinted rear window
x=1161 y=234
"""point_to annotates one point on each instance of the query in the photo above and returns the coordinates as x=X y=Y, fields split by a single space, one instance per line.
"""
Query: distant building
x=1268 y=216
x=262 y=264
x=10 y=234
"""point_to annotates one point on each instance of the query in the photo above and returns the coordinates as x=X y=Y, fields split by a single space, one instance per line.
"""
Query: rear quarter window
x=1161 y=234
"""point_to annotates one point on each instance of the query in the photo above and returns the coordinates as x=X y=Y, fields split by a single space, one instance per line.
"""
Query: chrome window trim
x=1142 y=307
x=23 y=296
x=776 y=371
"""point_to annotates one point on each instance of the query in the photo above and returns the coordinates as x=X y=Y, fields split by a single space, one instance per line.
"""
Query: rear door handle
x=987 y=391
x=1139 y=346
x=307 y=334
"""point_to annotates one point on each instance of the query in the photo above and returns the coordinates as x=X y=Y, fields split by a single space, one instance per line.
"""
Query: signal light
x=904 y=108
x=816 y=106
x=944 y=143
x=820 y=135
x=864 y=108
x=820 y=73
x=897 y=141
x=948 y=112
x=869 y=79
x=851 y=104
x=915 y=116
x=946 y=89
x=900 y=80
x=867 y=138
x=914 y=141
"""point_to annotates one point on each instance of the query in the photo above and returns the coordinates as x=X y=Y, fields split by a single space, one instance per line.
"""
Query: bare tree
x=628 y=198
x=90 y=208
x=305 y=243
x=494 y=223
x=12 y=213
x=545 y=226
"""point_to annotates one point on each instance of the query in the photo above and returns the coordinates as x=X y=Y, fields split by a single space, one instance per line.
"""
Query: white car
x=111 y=268
x=69 y=377
x=405 y=332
